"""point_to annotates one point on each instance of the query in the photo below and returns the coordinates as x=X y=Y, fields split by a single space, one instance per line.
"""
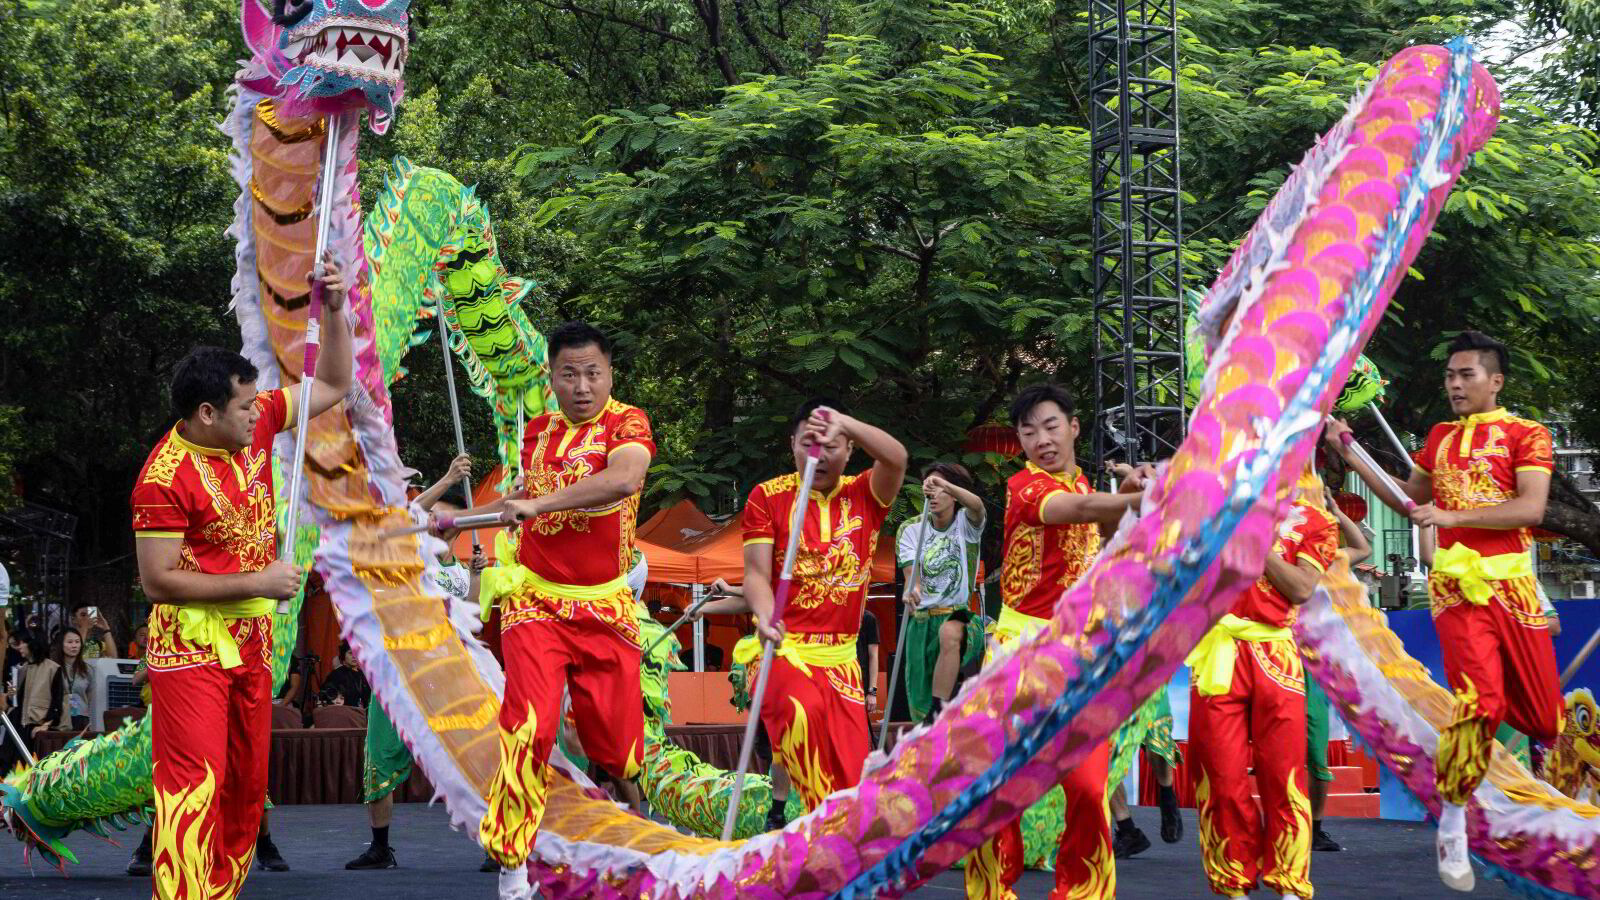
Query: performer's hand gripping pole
x=914 y=584
x=441 y=524
x=455 y=410
x=1365 y=458
x=797 y=522
x=308 y=371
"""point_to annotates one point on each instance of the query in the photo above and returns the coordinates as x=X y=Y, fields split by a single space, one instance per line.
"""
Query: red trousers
x=1502 y=666
x=817 y=723
x=1085 y=869
x=587 y=656
x=210 y=730
x=1260 y=722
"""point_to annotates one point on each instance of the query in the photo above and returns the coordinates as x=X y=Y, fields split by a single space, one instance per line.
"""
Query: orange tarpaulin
x=671 y=527
x=681 y=544
x=704 y=557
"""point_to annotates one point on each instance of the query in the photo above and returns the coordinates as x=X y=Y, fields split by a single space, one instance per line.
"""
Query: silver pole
x=699 y=645
x=12 y=729
x=797 y=521
x=455 y=409
x=905 y=621
x=1393 y=438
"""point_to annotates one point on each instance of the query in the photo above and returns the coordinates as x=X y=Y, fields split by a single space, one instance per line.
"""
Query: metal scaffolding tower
x=1138 y=229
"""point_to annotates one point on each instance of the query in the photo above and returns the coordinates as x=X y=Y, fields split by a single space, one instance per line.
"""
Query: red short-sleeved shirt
x=833 y=562
x=1474 y=463
x=1308 y=534
x=1042 y=561
x=580 y=546
x=219 y=504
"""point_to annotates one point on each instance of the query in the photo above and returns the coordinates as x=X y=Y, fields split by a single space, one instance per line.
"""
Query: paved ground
x=1382 y=860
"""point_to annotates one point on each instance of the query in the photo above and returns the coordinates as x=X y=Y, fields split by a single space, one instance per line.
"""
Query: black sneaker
x=776 y=820
x=268 y=856
x=140 y=863
x=374 y=858
x=1321 y=841
x=489 y=865
x=1131 y=842
x=1171 y=820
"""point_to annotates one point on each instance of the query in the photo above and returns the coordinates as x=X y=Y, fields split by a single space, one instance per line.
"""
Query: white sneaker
x=514 y=884
x=1291 y=897
x=1455 y=868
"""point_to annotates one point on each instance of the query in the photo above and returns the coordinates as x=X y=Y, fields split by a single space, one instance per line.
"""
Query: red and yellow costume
x=814 y=709
x=1247 y=707
x=1492 y=630
x=210 y=665
x=568 y=623
x=1041 y=563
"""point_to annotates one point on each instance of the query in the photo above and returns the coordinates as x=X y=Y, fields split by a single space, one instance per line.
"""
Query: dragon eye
x=288 y=13
x=1583 y=717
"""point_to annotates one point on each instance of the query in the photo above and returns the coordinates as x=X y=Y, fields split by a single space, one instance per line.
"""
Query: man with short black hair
x=1053 y=525
x=815 y=704
x=205 y=519
x=570 y=622
x=1483 y=481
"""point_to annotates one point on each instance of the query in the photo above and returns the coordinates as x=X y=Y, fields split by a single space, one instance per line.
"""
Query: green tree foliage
x=883 y=202
x=866 y=231
x=114 y=192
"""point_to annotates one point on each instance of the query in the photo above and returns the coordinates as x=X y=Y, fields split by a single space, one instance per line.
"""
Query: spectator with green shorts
x=950 y=537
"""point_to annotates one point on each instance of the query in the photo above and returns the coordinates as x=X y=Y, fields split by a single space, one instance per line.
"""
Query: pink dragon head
x=327 y=56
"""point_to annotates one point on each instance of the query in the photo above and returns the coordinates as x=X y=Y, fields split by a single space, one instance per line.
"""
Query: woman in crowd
x=68 y=654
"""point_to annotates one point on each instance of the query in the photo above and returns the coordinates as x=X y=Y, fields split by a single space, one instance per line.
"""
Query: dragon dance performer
x=568 y=622
x=1053 y=524
x=1356 y=550
x=949 y=566
x=203 y=513
x=1248 y=704
x=386 y=762
x=1483 y=481
x=815 y=707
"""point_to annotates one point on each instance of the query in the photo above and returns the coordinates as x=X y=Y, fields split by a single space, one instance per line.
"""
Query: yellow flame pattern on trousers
x=516 y=797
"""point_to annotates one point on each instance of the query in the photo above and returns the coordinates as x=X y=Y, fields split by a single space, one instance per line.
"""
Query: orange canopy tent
x=681 y=544
x=702 y=556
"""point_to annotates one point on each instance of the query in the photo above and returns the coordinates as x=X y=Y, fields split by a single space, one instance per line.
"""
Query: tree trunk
x=1571 y=514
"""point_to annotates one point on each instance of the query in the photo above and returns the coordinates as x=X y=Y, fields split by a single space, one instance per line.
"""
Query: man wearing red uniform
x=815 y=708
x=1053 y=525
x=1248 y=706
x=569 y=624
x=204 y=516
x=1483 y=481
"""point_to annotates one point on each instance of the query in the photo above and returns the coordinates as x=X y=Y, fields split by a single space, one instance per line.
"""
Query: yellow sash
x=1473 y=571
x=510 y=576
x=207 y=625
x=1211 y=661
x=801 y=656
x=1014 y=626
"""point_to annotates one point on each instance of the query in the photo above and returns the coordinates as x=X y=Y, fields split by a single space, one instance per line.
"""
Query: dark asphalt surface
x=1381 y=860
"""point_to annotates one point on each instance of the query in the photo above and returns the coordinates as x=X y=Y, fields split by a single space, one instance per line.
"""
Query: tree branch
x=897 y=251
x=711 y=15
x=616 y=20
x=742 y=16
